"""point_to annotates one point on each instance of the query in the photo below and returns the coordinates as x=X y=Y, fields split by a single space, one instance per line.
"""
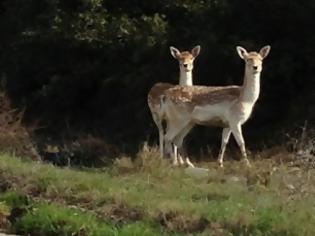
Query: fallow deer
x=157 y=92
x=228 y=106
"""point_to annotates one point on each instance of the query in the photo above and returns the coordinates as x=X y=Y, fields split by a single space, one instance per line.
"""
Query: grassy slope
x=149 y=197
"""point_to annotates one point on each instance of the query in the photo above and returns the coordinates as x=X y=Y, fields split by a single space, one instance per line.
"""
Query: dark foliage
x=84 y=67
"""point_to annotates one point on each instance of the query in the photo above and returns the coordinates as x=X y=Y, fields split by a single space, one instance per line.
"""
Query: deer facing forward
x=228 y=106
x=157 y=92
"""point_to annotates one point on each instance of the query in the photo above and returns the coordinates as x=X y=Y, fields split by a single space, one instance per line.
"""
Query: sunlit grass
x=151 y=196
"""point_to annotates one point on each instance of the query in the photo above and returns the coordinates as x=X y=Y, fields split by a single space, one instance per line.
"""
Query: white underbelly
x=222 y=114
x=215 y=115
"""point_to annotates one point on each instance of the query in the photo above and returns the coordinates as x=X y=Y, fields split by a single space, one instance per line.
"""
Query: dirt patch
x=175 y=222
x=5 y=185
x=32 y=190
x=16 y=213
x=4 y=221
x=210 y=197
x=120 y=213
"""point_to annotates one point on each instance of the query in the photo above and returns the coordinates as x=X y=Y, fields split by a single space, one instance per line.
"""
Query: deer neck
x=185 y=78
x=250 y=88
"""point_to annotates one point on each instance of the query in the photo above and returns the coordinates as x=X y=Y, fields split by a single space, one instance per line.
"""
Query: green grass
x=50 y=219
x=149 y=197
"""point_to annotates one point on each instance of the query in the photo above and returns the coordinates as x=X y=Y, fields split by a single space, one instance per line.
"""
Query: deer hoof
x=247 y=163
x=189 y=163
x=220 y=163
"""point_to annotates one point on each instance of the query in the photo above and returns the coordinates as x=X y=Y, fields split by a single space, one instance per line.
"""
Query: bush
x=87 y=66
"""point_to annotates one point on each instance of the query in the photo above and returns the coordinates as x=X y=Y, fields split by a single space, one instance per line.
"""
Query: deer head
x=253 y=60
x=185 y=58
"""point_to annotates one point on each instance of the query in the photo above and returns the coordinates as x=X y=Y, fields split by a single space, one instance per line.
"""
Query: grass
x=149 y=197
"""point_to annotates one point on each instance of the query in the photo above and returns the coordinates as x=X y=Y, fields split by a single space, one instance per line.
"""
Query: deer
x=156 y=94
x=228 y=107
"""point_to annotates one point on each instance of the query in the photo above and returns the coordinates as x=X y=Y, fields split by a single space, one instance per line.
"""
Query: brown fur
x=199 y=95
x=156 y=92
x=254 y=55
x=185 y=56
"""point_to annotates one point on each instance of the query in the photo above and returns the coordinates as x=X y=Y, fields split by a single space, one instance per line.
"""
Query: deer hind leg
x=159 y=125
x=225 y=139
x=179 y=142
x=161 y=141
x=179 y=157
x=237 y=132
x=172 y=131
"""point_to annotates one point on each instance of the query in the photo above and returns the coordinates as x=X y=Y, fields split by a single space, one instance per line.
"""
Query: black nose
x=255 y=67
x=185 y=65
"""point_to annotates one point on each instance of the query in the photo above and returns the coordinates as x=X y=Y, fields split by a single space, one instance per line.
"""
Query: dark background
x=81 y=69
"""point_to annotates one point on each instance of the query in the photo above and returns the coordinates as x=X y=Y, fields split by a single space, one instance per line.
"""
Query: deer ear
x=175 y=52
x=265 y=51
x=241 y=52
x=195 y=51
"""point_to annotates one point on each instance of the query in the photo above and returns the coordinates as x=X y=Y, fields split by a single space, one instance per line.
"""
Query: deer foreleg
x=225 y=139
x=237 y=132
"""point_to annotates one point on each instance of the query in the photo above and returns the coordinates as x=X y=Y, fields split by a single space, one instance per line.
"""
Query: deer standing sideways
x=157 y=92
x=227 y=106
